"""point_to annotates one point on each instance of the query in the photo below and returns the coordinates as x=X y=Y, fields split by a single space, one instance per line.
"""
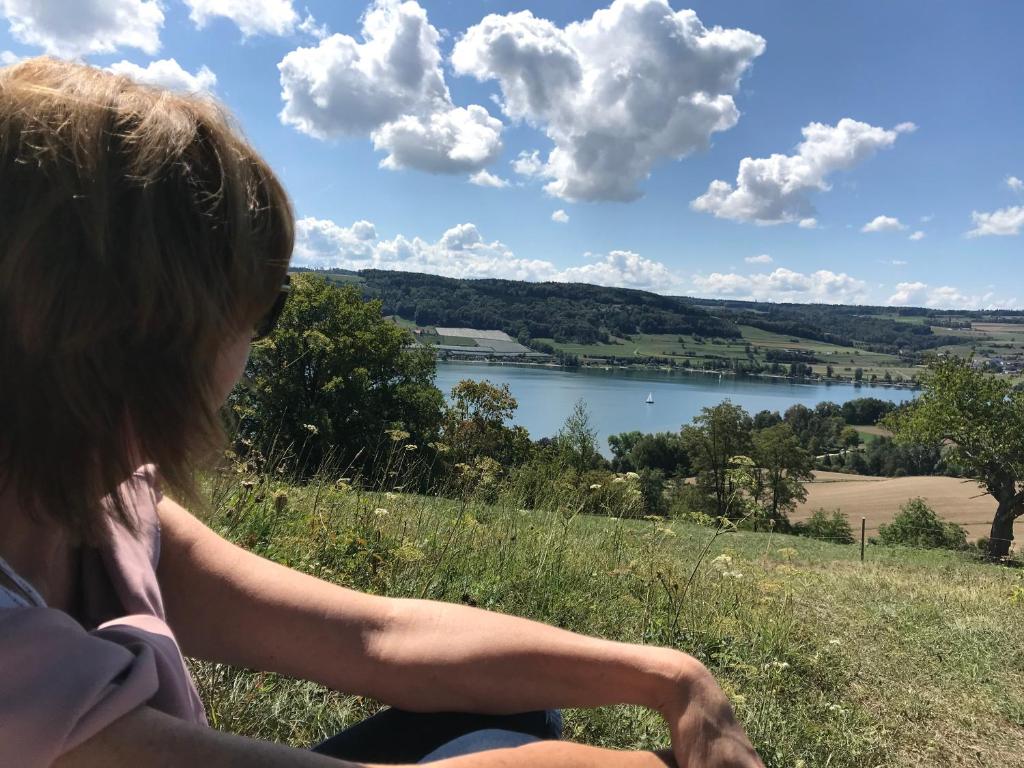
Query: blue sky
x=633 y=118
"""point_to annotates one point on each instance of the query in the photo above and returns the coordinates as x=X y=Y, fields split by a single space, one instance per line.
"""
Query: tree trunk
x=1001 y=535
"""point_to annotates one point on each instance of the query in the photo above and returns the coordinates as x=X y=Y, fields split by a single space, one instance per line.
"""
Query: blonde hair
x=139 y=234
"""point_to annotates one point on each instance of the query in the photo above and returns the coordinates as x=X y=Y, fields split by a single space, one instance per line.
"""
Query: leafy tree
x=576 y=441
x=716 y=436
x=849 y=438
x=981 y=417
x=662 y=451
x=917 y=525
x=781 y=467
x=333 y=378
x=475 y=425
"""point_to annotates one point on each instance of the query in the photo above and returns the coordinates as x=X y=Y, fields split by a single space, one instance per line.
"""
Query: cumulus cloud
x=253 y=17
x=918 y=235
x=1014 y=183
x=1005 y=221
x=560 y=216
x=82 y=27
x=776 y=189
x=462 y=251
x=391 y=87
x=9 y=57
x=823 y=286
x=634 y=85
x=883 y=224
x=167 y=73
x=809 y=223
x=528 y=163
x=764 y=258
x=485 y=178
x=946 y=297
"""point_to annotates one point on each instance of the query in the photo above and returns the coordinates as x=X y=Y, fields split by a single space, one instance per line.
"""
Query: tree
x=781 y=467
x=981 y=417
x=849 y=438
x=475 y=426
x=636 y=451
x=576 y=441
x=333 y=378
x=716 y=437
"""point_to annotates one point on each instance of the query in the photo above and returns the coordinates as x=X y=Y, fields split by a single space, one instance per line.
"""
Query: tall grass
x=910 y=657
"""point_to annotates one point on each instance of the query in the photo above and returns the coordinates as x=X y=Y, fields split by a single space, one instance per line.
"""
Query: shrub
x=917 y=525
x=832 y=526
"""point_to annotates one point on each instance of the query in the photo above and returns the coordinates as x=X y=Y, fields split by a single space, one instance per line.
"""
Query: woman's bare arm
x=150 y=738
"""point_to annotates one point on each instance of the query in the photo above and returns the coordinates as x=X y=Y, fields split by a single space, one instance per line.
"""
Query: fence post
x=863 y=525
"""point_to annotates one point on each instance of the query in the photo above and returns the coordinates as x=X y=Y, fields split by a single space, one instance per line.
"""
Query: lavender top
x=63 y=679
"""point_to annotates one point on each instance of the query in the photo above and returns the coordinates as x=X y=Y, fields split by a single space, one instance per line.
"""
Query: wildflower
x=311 y=428
x=666 y=531
x=342 y=485
x=248 y=484
x=390 y=495
x=594 y=486
x=397 y=435
x=632 y=476
x=776 y=666
x=835 y=641
x=619 y=480
x=722 y=562
x=380 y=512
x=411 y=447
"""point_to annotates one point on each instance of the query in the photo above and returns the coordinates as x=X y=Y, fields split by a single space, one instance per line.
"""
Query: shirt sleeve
x=61 y=685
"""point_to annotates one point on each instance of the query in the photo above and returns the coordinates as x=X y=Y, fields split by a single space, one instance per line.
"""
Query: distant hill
x=583 y=314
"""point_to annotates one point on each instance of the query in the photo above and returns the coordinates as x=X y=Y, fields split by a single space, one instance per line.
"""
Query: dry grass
x=878 y=499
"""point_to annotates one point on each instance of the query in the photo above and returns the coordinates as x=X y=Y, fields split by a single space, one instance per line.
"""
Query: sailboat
x=650 y=399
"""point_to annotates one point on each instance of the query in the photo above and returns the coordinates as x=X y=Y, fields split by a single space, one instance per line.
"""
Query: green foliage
x=475 y=425
x=332 y=379
x=576 y=441
x=716 y=435
x=981 y=418
x=781 y=467
x=828 y=526
x=561 y=311
x=917 y=525
x=662 y=451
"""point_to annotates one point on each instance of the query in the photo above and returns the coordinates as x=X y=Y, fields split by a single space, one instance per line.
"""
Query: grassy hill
x=605 y=325
x=910 y=658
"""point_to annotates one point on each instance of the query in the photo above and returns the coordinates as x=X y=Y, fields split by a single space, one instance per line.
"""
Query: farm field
x=878 y=499
x=754 y=344
x=910 y=658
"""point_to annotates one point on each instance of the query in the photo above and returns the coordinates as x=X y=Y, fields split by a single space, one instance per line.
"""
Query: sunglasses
x=269 y=320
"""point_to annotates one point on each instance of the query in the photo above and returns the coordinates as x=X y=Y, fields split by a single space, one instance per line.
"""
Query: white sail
x=650 y=399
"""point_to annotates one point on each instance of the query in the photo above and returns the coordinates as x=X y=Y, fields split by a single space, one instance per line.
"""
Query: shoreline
x=685 y=372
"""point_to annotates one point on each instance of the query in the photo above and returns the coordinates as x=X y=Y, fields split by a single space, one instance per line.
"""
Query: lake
x=616 y=399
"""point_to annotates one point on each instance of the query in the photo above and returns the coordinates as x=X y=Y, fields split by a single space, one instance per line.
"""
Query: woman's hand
x=705 y=733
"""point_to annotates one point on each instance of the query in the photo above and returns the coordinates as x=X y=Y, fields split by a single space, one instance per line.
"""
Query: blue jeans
x=396 y=736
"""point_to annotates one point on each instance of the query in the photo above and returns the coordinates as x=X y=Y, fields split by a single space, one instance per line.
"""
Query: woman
x=142 y=243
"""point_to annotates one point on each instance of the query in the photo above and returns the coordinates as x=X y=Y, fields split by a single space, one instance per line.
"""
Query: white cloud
x=776 y=189
x=9 y=57
x=1005 y=221
x=883 y=224
x=485 y=178
x=560 y=216
x=80 y=27
x=918 y=235
x=253 y=17
x=764 y=258
x=809 y=223
x=459 y=140
x=1014 y=183
x=167 y=73
x=635 y=85
x=946 y=297
x=391 y=87
x=463 y=252
x=782 y=284
x=528 y=163
x=898 y=263
x=311 y=28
